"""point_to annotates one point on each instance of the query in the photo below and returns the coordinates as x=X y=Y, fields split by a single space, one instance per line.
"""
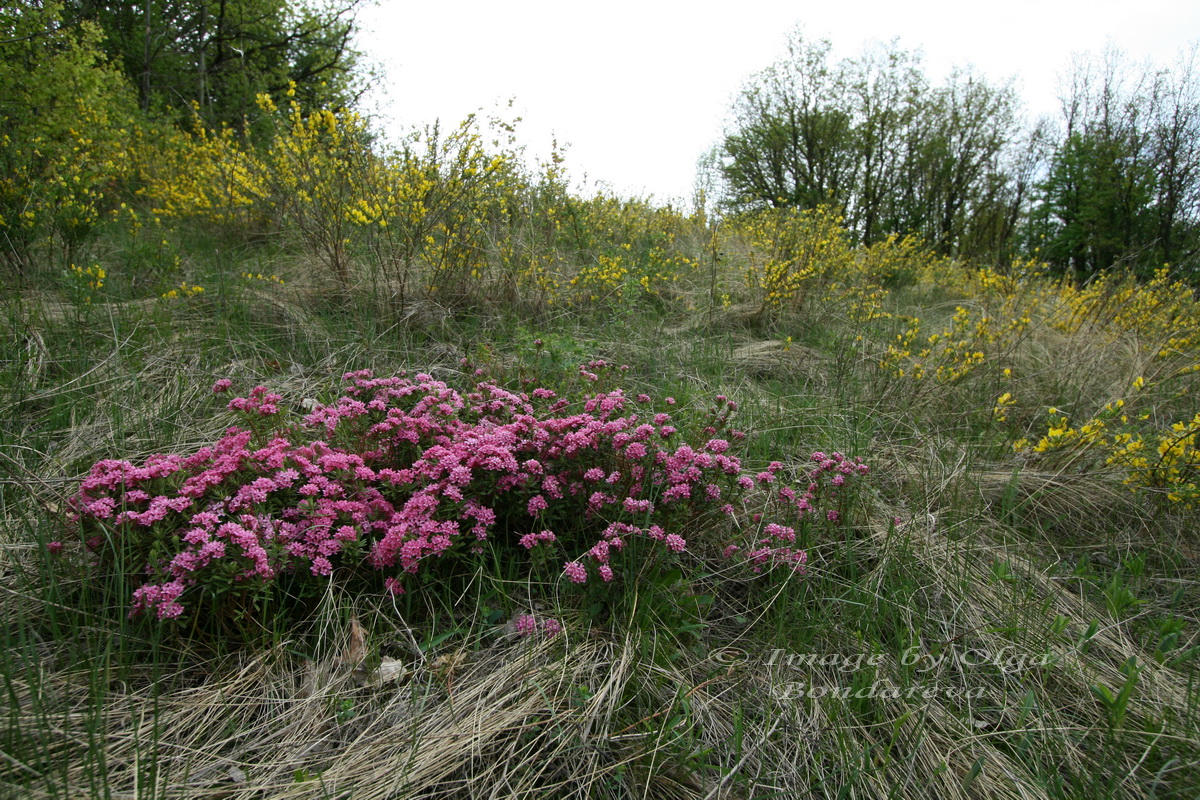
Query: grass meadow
x=1005 y=606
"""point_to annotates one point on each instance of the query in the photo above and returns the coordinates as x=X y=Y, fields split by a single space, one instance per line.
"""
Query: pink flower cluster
x=402 y=470
x=527 y=625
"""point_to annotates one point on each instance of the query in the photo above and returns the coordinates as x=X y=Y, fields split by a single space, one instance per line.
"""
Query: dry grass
x=631 y=712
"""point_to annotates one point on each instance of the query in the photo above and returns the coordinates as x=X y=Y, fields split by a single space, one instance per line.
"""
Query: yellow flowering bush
x=956 y=351
x=790 y=251
x=85 y=282
x=1172 y=467
x=626 y=248
x=430 y=212
x=1162 y=463
x=209 y=176
x=66 y=114
x=54 y=194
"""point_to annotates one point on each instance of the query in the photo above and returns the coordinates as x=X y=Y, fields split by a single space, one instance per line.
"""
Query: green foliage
x=1118 y=177
x=871 y=136
x=66 y=114
x=1117 y=181
x=217 y=56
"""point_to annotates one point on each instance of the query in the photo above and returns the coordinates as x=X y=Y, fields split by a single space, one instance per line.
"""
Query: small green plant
x=1116 y=706
x=1118 y=597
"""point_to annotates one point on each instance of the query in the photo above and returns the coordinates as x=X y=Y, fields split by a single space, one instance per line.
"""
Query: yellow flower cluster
x=87 y=280
x=1060 y=435
x=1164 y=464
x=603 y=280
x=791 y=251
x=212 y=176
x=258 y=276
x=54 y=193
x=955 y=352
x=1162 y=313
x=183 y=290
x=1169 y=467
x=1003 y=403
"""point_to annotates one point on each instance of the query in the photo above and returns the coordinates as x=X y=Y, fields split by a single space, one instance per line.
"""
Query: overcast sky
x=639 y=90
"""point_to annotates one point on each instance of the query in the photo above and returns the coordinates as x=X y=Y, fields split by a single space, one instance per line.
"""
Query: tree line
x=176 y=59
x=89 y=89
x=1115 y=180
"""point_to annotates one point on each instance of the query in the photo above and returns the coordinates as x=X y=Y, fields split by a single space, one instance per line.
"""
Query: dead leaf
x=356 y=649
x=390 y=669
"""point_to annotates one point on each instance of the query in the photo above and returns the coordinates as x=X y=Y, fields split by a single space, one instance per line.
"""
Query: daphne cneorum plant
x=403 y=474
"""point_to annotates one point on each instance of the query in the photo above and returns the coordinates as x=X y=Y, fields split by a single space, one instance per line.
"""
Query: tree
x=1123 y=182
x=216 y=56
x=1176 y=156
x=50 y=67
x=870 y=136
x=790 y=140
x=884 y=88
x=956 y=179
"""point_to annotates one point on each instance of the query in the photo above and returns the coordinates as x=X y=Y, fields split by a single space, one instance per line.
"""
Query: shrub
x=403 y=474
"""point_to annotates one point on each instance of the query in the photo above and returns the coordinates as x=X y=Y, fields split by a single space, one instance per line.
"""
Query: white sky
x=639 y=90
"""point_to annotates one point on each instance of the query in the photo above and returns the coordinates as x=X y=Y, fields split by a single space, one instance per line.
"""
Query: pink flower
x=634 y=506
x=525 y=625
x=575 y=571
x=780 y=532
x=221 y=385
x=537 y=504
x=552 y=627
x=605 y=572
x=54 y=548
x=532 y=540
x=597 y=500
x=675 y=543
x=680 y=491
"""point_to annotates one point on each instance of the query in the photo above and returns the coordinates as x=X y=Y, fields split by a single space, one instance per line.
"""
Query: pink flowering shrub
x=402 y=473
